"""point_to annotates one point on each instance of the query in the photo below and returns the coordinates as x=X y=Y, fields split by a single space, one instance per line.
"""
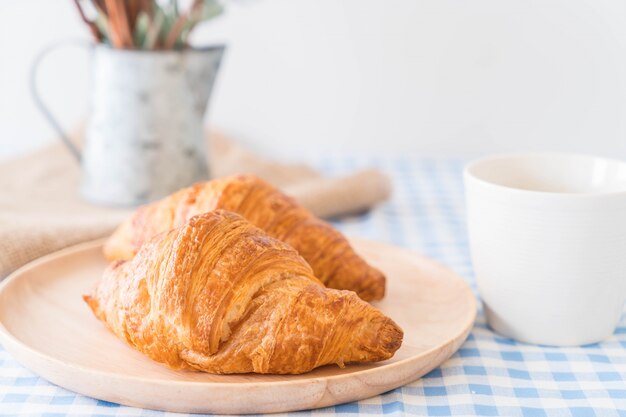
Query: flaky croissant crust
x=219 y=295
x=328 y=252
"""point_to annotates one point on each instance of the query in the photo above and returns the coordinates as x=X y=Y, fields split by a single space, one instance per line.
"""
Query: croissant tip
x=391 y=335
x=90 y=301
x=375 y=291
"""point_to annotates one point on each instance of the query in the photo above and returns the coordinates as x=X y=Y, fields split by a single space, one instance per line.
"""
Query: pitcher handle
x=34 y=90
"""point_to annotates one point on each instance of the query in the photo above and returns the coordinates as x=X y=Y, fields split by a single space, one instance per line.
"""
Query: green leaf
x=210 y=10
x=154 y=30
x=168 y=22
x=102 y=23
x=174 y=7
x=142 y=24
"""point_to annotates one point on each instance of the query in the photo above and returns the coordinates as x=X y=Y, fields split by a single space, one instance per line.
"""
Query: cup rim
x=192 y=49
x=468 y=174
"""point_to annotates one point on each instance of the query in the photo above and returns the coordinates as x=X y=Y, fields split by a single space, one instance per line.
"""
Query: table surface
x=489 y=376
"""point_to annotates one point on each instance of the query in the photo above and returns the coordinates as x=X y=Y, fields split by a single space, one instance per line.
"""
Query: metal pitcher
x=145 y=135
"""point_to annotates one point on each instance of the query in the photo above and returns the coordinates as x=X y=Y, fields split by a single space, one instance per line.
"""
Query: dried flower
x=145 y=24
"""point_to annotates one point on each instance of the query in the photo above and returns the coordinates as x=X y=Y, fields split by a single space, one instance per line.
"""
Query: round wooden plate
x=47 y=327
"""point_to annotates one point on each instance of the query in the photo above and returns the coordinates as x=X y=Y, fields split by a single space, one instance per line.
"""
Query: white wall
x=437 y=77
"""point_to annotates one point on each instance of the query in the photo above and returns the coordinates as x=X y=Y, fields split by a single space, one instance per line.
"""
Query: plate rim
x=6 y=337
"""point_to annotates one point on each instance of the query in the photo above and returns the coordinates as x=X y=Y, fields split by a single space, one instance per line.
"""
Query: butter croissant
x=219 y=295
x=328 y=252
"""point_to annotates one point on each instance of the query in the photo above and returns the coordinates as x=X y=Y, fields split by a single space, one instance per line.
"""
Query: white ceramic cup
x=548 y=243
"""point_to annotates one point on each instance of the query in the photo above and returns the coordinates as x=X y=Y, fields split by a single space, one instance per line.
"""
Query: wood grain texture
x=46 y=326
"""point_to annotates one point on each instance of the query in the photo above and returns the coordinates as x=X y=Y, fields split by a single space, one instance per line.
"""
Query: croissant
x=220 y=296
x=328 y=252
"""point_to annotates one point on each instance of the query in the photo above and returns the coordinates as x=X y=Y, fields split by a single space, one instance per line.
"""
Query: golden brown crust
x=327 y=251
x=219 y=295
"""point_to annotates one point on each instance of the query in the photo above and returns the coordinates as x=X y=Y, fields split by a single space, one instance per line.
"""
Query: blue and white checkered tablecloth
x=489 y=376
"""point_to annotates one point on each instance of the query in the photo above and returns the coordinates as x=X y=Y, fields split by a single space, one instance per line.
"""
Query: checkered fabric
x=489 y=376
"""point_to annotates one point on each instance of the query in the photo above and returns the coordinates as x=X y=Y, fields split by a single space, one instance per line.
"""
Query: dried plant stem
x=152 y=37
x=180 y=24
x=170 y=41
x=134 y=7
x=145 y=24
x=92 y=25
x=101 y=5
x=120 y=32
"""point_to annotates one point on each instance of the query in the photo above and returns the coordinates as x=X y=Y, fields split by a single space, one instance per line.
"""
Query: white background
x=436 y=77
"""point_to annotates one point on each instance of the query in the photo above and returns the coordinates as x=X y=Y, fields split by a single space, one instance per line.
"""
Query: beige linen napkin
x=41 y=210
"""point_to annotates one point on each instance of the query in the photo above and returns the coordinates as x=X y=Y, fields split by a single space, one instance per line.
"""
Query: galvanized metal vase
x=145 y=136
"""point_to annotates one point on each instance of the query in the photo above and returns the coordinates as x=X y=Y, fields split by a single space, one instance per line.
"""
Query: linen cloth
x=41 y=210
x=489 y=376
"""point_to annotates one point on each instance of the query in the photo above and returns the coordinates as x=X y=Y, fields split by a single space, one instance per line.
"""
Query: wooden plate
x=47 y=327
